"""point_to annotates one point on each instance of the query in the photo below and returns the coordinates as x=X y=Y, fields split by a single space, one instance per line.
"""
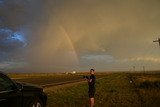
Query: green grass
x=148 y=87
x=72 y=96
x=113 y=90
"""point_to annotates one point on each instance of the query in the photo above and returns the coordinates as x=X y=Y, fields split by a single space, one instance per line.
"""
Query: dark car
x=13 y=94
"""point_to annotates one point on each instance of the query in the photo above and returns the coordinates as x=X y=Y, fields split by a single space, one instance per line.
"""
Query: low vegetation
x=112 y=90
x=148 y=88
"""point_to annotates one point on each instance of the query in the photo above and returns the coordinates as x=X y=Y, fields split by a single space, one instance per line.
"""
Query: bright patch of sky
x=11 y=35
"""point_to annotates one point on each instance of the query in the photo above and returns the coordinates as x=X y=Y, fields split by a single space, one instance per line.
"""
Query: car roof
x=2 y=73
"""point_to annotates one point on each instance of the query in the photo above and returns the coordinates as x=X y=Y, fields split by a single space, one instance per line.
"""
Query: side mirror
x=19 y=86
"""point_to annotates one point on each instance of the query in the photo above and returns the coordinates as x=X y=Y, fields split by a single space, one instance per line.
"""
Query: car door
x=10 y=95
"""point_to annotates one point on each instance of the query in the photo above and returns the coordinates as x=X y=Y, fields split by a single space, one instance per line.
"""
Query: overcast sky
x=67 y=35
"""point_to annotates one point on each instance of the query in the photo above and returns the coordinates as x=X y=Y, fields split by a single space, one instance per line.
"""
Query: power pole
x=134 y=68
x=144 y=68
x=158 y=40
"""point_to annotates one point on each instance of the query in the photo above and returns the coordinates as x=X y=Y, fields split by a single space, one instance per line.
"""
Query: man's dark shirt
x=92 y=83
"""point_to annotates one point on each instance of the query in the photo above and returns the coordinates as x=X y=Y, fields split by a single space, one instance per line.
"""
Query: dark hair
x=91 y=69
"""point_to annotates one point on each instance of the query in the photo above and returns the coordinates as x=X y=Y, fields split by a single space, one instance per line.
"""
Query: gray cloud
x=68 y=34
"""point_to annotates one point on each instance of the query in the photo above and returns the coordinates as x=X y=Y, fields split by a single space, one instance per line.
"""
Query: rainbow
x=73 y=50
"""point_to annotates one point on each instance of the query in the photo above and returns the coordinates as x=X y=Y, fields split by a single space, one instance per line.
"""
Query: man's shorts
x=91 y=93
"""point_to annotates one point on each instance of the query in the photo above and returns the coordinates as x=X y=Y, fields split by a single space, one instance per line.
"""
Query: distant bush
x=145 y=84
x=149 y=84
x=157 y=84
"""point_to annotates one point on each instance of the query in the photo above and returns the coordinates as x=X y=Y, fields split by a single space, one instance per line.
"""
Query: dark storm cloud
x=10 y=41
x=16 y=16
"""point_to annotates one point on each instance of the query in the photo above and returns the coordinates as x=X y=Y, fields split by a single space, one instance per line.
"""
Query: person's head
x=91 y=71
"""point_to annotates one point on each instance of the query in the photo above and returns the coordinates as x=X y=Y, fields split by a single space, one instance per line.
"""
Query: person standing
x=91 y=85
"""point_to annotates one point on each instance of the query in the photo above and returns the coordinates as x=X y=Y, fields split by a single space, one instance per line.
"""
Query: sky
x=67 y=35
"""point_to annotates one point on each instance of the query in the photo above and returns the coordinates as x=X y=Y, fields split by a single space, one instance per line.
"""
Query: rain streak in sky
x=67 y=35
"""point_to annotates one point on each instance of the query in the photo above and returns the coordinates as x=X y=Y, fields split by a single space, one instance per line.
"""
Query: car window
x=5 y=83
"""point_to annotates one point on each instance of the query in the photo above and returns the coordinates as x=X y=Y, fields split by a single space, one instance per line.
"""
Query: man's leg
x=92 y=102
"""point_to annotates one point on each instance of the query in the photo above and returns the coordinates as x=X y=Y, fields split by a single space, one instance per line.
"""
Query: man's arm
x=89 y=80
x=92 y=79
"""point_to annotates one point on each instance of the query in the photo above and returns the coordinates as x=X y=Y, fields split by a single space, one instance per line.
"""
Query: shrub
x=149 y=84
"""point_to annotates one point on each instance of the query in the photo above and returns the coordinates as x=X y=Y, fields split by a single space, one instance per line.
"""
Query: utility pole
x=158 y=40
x=144 y=68
x=134 y=68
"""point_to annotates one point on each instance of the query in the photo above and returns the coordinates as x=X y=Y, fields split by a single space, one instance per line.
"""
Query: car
x=15 y=94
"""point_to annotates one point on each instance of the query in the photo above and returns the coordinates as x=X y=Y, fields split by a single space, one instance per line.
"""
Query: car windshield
x=5 y=84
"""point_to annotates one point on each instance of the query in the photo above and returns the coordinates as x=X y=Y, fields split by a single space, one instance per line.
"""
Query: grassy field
x=48 y=78
x=148 y=88
x=41 y=79
x=112 y=90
